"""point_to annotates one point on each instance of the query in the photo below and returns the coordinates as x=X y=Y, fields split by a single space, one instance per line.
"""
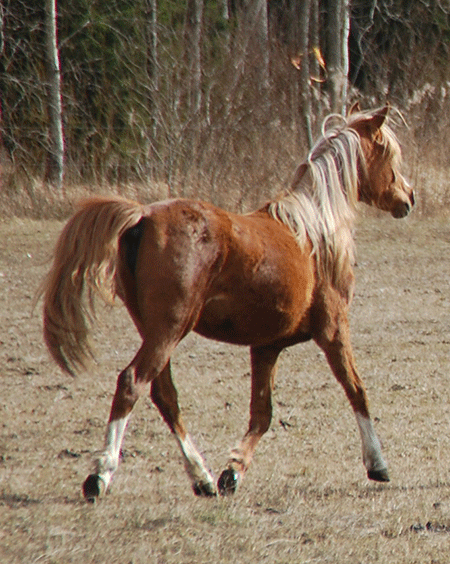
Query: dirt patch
x=305 y=498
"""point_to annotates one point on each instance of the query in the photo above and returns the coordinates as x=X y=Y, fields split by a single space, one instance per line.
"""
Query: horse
x=268 y=279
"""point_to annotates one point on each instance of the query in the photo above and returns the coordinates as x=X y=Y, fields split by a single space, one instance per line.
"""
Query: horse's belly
x=254 y=319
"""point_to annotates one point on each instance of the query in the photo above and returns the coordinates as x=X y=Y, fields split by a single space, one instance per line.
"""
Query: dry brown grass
x=305 y=498
x=238 y=185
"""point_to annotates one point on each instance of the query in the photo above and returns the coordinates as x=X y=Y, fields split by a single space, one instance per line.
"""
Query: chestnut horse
x=268 y=279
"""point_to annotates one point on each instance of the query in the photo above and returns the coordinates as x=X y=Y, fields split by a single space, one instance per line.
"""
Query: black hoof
x=228 y=482
x=92 y=488
x=378 y=475
x=204 y=490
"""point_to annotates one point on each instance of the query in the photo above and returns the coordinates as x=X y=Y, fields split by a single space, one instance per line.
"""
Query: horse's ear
x=354 y=108
x=379 y=117
x=299 y=174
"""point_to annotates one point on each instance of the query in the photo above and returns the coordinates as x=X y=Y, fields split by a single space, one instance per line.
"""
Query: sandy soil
x=305 y=498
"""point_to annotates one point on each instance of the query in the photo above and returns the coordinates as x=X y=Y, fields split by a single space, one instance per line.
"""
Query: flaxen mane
x=321 y=203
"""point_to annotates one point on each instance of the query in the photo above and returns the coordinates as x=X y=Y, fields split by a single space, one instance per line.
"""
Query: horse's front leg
x=165 y=397
x=263 y=376
x=334 y=340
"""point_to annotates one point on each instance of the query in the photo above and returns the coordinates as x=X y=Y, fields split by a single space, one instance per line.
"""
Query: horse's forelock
x=391 y=145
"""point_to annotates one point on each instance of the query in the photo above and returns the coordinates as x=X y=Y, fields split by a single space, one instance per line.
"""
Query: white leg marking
x=371 y=448
x=194 y=463
x=108 y=461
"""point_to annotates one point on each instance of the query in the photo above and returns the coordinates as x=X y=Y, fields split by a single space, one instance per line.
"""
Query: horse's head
x=381 y=183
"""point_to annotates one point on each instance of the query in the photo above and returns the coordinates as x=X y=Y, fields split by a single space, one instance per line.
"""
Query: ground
x=306 y=497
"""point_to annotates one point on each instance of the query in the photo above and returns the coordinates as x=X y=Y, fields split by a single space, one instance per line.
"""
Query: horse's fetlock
x=105 y=463
x=237 y=463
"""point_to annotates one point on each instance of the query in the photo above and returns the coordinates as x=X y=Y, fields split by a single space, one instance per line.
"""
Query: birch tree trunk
x=338 y=28
x=193 y=42
x=55 y=159
x=345 y=52
x=305 y=71
x=151 y=8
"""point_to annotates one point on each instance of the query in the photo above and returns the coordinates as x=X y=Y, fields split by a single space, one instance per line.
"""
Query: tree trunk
x=55 y=159
x=337 y=49
x=262 y=37
x=151 y=27
x=305 y=71
x=251 y=42
x=193 y=43
x=345 y=52
x=2 y=70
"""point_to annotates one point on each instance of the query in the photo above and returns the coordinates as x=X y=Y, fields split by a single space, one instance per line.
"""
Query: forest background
x=216 y=99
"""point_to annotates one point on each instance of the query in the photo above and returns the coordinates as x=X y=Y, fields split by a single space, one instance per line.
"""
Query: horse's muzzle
x=404 y=206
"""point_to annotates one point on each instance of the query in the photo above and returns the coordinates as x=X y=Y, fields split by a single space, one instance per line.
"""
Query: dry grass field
x=305 y=499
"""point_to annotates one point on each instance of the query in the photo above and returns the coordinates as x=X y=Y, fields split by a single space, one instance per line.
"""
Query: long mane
x=321 y=202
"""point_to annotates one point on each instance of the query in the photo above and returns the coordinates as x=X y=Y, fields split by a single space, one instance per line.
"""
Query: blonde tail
x=85 y=262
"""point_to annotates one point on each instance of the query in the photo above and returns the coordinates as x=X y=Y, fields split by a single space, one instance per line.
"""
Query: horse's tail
x=85 y=262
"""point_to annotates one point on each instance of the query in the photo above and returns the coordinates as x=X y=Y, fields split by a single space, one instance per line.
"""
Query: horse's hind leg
x=130 y=385
x=164 y=396
x=263 y=377
x=124 y=399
